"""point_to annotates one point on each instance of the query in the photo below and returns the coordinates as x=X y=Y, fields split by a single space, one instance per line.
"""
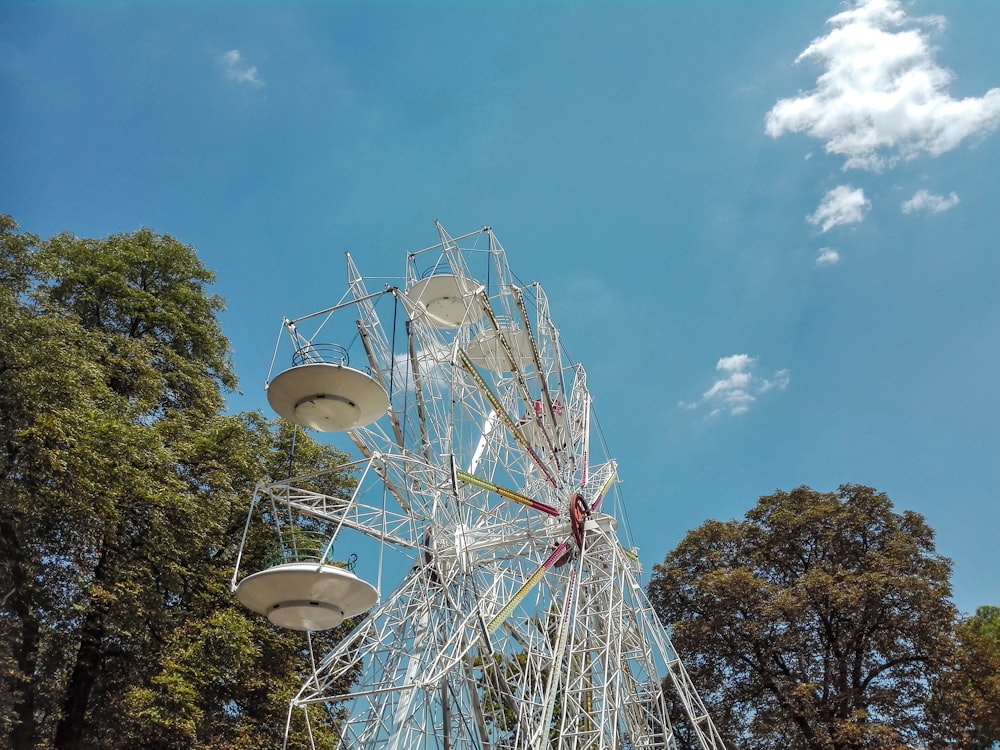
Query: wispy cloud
x=239 y=71
x=736 y=387
x=923 y=200
x=777 y=382
x=827 y=256
x=882 y=97
x=842 y=205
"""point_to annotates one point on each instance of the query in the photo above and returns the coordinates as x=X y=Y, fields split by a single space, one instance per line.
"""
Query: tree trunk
x=18 y=600
x=23 y=733
x=89 y=656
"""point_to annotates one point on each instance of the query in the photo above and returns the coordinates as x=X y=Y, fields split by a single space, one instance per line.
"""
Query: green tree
x=123 y=492
x=816 y=622
x=966 y=698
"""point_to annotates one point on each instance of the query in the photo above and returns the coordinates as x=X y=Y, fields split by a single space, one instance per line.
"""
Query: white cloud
x=734 y=363
x=923 y=200
x=738 y=387
x=779 y=382
x=827 y=256
x=239 y=71
x=842 y=205
x=882 y=97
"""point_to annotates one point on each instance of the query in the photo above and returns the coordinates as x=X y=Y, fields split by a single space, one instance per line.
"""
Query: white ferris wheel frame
x=520 y=621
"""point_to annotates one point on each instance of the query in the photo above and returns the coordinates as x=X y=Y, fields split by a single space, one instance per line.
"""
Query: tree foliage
x=966 y=698
x=816 y=622
x=123 y=491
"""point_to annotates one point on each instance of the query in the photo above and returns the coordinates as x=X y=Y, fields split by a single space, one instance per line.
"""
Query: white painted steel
x=327 y=397
x=518 y=622
x=306 y=596
x=448 y=301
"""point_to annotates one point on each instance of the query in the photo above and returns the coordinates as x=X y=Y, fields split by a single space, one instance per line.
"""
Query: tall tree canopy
x=966 y=698
x=816 y=622
x=123 y=491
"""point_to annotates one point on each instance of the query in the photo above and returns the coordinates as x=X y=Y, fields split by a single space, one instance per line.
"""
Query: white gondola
x=327 y=397
x=487 y=350
x=448 y=301
x=306 y=595
x=535 y=427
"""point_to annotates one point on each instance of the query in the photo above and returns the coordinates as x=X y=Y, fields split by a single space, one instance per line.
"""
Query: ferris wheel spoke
x=504 y=416
x=537 y=359
x=515 y=367
x=519 y=595
x=418 y=394
x=612 y=476
x=504 y=492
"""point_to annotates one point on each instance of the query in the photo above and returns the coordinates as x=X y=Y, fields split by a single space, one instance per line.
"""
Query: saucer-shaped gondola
x=327 y=397
x=540 y=432
x=449 y=301
x=488 y=350
x=306 y=596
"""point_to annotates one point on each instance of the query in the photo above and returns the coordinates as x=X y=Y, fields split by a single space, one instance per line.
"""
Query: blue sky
x=766 y=228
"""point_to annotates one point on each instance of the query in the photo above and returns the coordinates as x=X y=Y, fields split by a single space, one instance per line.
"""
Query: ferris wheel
x=518 y=620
